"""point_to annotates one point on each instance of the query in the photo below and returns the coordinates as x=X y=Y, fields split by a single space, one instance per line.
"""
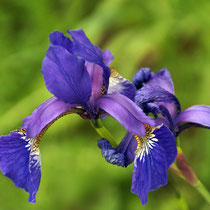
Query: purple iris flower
x=77 y=74
x=154 y=153
x=157 y=96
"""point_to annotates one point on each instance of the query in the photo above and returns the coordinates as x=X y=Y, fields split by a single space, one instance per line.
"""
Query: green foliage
x=157 y=34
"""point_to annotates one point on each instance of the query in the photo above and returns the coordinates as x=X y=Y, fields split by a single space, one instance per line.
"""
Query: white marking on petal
x=117 y=83
x=145 y=145
x=35 y=158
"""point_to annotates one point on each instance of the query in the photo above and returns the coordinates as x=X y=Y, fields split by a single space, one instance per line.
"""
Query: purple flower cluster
x=77 y=73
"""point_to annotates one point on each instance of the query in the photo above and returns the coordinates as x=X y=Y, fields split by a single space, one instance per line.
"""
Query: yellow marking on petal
x=113 y=76
x=103 y=90
x=34 y=142
x=38 y=138
x=21 y=131
x=116 y=81
x=114 y=73
x=141 y=140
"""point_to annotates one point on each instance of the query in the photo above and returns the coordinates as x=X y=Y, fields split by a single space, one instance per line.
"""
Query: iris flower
x=157 y=96
x=77 y=74
x=153 y=154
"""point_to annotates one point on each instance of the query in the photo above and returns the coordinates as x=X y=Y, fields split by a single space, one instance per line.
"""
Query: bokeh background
x=156 y=34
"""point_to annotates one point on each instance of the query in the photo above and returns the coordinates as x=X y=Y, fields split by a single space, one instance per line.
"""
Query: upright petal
x=107 y=57
x=198 y=114
x=99 y=85
x=58 y=38
x=154 y=155
x=43 y=115
x=84 y=48
x=96 y=75
x=118 y=84
x=66 y=76
x=141 y=77
x=125 y=111
x=162 y=79
x=20 y=162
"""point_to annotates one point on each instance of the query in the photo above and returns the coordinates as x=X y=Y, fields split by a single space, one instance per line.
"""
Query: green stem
x=182 y=203
x=198 y=185
x=103 y=132
x=202 y=190
x=178 y=145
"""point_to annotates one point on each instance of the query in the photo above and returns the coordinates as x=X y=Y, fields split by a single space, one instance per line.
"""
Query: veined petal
x=58 y=38
x=96 y=75
x=154 y=155
x=125 y=111
x=199 y=114
x=43 y=115
x=66 y=76
x=84 y=48
x=149 y=94
x=20 y=161
x=118 y=84
x=162 y=79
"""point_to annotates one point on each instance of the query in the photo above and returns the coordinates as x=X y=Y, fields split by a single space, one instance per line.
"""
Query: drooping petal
x=141 y=77
x=84 y=48
x=58 y=38
x=125 y=111
x=153 y=158
x=149 y=94
x=66 y=76
x=20 y=162
x=168 y=142
x=144 y=173
x=110 y=154
x=118 y=84
x=162 y=79
x=198 y=114
x=35 y=169
x=43 y=115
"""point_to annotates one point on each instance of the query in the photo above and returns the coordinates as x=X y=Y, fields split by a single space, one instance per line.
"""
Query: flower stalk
x=103 y=132
x=184 y=171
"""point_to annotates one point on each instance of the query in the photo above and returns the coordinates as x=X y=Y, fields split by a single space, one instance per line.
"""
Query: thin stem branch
x=197 y=185
x=202 y=190
x=181 y=201
x=103 y=132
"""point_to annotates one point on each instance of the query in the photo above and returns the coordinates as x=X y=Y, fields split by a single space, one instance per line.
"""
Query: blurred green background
x=156 y=34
